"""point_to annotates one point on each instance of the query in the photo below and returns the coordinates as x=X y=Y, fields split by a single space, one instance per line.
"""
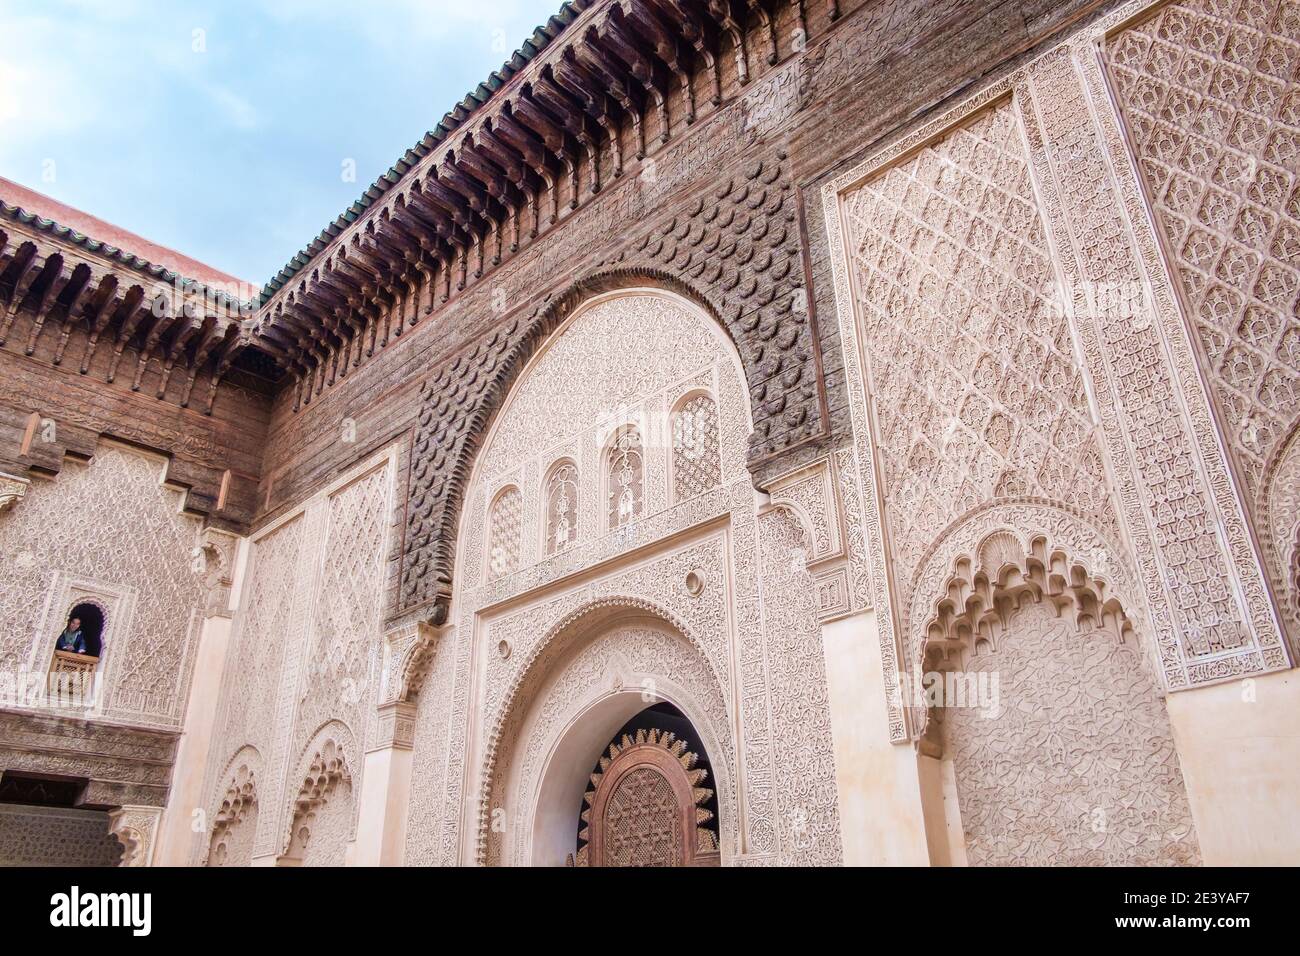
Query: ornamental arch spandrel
x=663 y=607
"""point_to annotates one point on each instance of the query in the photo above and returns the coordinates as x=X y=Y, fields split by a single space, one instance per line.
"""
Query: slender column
x=183 y=818
x=883 y=798
x=385 y=789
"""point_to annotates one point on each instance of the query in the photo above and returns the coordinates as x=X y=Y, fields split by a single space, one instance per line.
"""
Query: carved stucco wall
x=1076 y=765
x=747 y=641
x=54 y=836
x=1211 y=98
x=976 y=386
x=233 y=846
x=107 y=531
x=303 y=663
x=1053 y=375
x=331 y=826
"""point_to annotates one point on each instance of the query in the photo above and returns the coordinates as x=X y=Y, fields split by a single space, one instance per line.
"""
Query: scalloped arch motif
x=321 y=814
x=991 y=561
x=234 y=824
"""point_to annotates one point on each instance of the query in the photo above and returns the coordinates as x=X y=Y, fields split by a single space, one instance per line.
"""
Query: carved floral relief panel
x=108 y=526
x=1072 y=762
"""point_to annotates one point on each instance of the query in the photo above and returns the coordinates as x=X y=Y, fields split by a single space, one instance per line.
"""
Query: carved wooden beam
x=63 y=308
x=102 y=311
x=28 y=277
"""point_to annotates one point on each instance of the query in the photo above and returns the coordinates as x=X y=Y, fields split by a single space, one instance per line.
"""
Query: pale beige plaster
x=1239 y=746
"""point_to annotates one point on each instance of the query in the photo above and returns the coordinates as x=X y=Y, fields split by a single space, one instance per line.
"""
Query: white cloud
x=236 y=110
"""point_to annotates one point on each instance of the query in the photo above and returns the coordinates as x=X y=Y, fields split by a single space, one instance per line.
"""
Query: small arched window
x=625 y=478
x=76 y=657
x=697 y=459
x=504 y=530
x=561 y=506
x=82 y=631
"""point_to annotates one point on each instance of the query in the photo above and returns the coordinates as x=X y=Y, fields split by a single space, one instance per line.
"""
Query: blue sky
x=222 y=128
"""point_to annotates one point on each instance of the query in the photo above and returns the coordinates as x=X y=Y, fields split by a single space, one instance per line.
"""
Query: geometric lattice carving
x=1211 y=96
x=348 y=606
x=640 y=821
x=108 y=522
x=625 y=478
x=505 y=526
x=1076 y=764
x=561 y=506
x=697 y=462
x=975 y=385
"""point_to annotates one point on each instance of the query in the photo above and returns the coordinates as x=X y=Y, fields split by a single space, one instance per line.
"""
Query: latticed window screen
x=504 y=532
x=626 y=478
x=643 y=821
x=561 y=507
x=697 y=462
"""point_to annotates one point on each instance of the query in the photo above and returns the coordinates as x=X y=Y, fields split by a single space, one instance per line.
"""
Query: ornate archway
x=598 y=674
x=567 y=623
x=1050 y=720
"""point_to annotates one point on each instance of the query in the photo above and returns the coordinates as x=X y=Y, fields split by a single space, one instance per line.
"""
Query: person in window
x=72 y=639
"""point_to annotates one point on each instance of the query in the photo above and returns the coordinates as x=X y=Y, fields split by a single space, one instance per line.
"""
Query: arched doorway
x=650 y=802
x=610 y=672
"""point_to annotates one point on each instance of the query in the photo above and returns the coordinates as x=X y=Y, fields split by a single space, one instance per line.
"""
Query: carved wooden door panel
x=645 y=806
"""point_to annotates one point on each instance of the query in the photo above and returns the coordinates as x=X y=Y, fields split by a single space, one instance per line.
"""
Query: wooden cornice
x=548 y=129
